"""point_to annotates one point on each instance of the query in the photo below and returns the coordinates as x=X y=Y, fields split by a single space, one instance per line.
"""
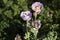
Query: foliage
x=11 y=23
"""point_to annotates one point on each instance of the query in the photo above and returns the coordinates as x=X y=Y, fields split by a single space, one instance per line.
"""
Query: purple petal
x=36 y=24
x=26 y=15
x=34 y=5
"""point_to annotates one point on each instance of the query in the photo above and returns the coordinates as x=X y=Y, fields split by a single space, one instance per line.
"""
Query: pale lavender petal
x=26 y=15
x=34 y=5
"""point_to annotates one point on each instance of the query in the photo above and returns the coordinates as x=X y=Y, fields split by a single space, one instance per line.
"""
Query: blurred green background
x=11 y=24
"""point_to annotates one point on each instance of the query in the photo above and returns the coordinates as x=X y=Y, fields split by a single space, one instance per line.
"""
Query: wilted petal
x=36 y=24
x=49 y=14
x=18 y=37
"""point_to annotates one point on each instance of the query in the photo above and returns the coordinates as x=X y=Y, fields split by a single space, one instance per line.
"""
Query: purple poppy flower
x=26 y=15
x=35 y=24
x=38 y=7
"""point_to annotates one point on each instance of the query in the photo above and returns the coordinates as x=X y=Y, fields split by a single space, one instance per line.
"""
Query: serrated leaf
x=23 y=4
x=9 y=3
x=27 y=35
x=16 y=9
x=8 y=14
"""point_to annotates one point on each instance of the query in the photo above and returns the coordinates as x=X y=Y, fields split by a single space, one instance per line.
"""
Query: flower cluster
x=37 y=7
x=35 y=24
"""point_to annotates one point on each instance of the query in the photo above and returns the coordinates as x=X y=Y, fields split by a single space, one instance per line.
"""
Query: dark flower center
x=36 y=24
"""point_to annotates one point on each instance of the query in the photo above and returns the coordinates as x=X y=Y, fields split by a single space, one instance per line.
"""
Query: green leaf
x=9 y=14
x=16 y=9
x=27 y=35
x=3 y=25
x=0 y=11
x=23 y=4
x=5 y=1
x=9 y=3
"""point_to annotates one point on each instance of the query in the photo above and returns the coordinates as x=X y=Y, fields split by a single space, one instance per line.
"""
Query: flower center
x=36 y=24
x=37 y=9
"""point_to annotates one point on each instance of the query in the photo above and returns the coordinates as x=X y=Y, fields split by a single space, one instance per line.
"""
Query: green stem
x=35 y=18
x=36 y=35
x=35 y=31
x=27 y=29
